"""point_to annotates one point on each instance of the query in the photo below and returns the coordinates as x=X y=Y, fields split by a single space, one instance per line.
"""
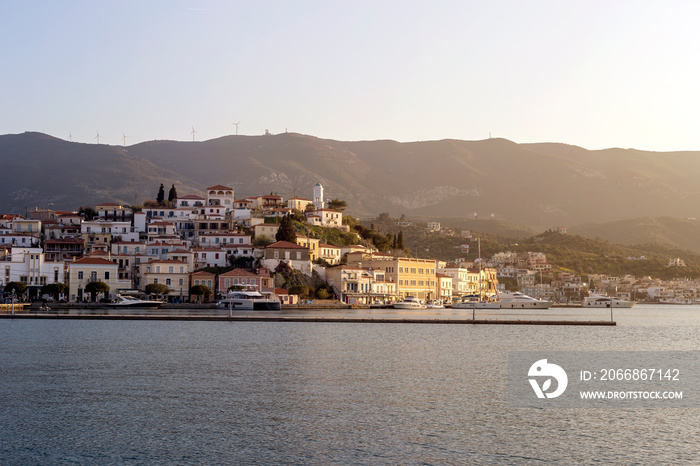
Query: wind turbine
x=124 y=138
x=98 y=137
x=236 y=125
x=193 y=133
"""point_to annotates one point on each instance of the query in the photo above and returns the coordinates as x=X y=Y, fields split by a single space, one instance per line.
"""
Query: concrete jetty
x=308 y=319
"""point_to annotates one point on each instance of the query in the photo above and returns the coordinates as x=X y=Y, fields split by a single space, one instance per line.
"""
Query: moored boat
x=409 y=302
x=130 y=301
x=519 y=300
x=249 y=301
x=473 y=301
x=435 y=304
x=596 y=300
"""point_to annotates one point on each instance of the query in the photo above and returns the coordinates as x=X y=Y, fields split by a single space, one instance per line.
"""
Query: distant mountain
x=672 y=232
x=535 y=185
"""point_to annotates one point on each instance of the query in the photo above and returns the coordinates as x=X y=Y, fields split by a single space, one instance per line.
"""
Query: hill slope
x=537 y=185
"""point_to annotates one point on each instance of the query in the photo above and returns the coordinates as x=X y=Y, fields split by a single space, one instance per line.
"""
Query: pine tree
x=399 y=241
x=161 y=194
x=172 y=195
x=286 y=230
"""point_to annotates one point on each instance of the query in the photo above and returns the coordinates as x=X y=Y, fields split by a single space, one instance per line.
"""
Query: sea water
x=154 y=392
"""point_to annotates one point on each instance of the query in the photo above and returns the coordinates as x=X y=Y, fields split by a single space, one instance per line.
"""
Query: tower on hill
x=318 y=197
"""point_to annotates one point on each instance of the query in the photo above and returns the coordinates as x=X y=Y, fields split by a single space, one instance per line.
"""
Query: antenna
x=193 y=133
x=98 y=137
x=70 y=136
x=236 y=125
x=124 y=138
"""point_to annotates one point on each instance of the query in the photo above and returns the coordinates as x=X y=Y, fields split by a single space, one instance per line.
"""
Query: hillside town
x=195 y=249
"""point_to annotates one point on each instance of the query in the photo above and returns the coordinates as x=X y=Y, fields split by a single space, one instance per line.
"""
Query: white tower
x=318 y=197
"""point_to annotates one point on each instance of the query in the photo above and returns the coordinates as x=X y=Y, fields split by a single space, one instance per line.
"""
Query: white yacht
x=435 y=304
x=518 y=300
x=410 y=302
x=473 y=301
x=249 y=300
x=130 y=301
x=597 y=300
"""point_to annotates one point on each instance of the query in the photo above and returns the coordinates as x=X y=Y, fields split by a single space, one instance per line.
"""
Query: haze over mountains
x=536 y=185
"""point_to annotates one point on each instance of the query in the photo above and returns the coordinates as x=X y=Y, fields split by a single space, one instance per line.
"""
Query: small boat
x=435 y=304
x=596 y=300
x=130 y=301
x=409 y=302
x=473 y=301
x=249 y=300
x=518 y=300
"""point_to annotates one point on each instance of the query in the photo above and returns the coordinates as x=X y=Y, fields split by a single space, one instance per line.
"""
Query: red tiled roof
x=93 y=261
x=285 y=245
x=238 y=273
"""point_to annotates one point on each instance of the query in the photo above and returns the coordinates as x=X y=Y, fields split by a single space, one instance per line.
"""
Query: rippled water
x=143 y=392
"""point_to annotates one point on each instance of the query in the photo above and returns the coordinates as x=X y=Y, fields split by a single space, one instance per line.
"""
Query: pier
x=202 y=315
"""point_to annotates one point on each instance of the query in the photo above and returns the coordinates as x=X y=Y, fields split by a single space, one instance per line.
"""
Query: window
x=413 y=270
x=155 y=280
x=182 y=269
x=420 y=271
x=107 y=275
x=413 y=283
x=298 y=256
x=170 y=269
x=80 y=275
x=168 y=282
x=181 y=282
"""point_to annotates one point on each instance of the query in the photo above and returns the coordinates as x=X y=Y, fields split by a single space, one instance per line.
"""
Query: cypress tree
x=161 y=194
x=286 y=230
x=399 y=241
x=172 y=195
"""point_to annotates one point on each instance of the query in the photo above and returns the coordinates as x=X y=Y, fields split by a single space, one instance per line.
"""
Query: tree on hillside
x=161 y=194
x=87 y=212
x=96 y=287
x=286 y=230
x=172 y=195
x=261 y=241
x=337 y=204
x=399 y=241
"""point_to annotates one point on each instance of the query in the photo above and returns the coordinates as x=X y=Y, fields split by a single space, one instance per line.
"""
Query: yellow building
x=413 y=277
x=311 y=243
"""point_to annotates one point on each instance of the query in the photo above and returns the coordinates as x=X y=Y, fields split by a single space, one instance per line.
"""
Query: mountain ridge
x=538 y=185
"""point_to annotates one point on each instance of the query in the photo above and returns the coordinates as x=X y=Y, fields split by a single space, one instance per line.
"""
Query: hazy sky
x=596 y=74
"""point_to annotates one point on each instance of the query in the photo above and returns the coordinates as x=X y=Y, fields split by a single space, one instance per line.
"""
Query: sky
x=595 y=74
